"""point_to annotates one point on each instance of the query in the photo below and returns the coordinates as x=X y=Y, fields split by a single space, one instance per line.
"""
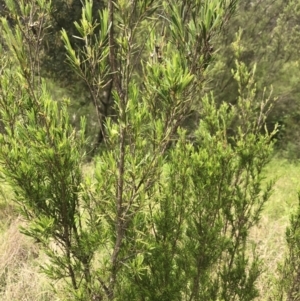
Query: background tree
x=269 y=39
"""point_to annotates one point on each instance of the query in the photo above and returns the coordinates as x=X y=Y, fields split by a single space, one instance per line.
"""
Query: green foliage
x=167 y=212
x=269 y=39
x=41 y=159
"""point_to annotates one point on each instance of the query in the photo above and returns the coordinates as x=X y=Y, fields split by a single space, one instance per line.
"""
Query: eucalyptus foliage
x=167 y=210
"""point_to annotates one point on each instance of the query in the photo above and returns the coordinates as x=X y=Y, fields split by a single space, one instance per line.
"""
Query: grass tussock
x=20 y=279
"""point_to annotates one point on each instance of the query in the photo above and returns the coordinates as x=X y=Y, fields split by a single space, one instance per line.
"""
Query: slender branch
x=112 y=50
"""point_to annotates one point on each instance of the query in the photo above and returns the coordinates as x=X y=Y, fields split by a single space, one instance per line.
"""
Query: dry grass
x=19 y=276
x=270 y=234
